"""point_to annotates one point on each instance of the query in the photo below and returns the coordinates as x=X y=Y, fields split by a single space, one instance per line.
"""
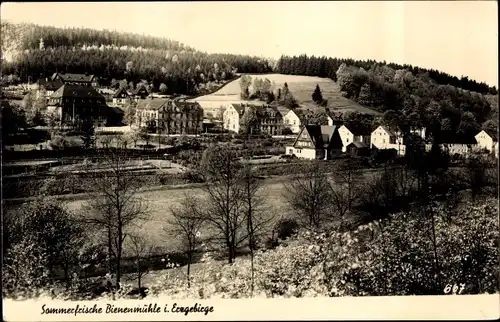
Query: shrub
x=286 y=228
x=192 y=177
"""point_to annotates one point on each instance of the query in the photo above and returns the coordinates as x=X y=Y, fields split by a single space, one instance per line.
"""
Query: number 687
x=454 y=288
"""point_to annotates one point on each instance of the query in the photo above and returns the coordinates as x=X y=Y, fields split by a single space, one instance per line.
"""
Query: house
x=383 y=138
x=47 y=87
x=181 y=117
x=75 y=104
x=316 y=142
x=357 y=148
x=140 y=92
x=232 y=117
x=76 y=79
x=460 y=146
x=121 y=98
x=487 y=140
x=292 y=120
x=268 y=119
x=169 y=116
x=333 y=118
x=354 y=135
x=454 y=149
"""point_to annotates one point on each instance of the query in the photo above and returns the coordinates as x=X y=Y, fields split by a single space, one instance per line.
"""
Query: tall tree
x=115 y=205
x=309 y=194
x=317 y=97
x=221 y=168
x=186 y=223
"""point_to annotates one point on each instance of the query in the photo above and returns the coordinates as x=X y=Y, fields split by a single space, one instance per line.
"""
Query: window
x=383 y=141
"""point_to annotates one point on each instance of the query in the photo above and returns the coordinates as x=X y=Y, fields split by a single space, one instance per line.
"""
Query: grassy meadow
x=301 y=87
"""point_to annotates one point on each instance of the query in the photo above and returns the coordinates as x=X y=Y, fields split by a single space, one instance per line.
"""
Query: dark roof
x=119 y=91
x=74 y=77
x=138 y=89
x=151 y=103
x=283 y=110
x=359 y=130
x=77 y=91
x=303 y=115
x=185 y=105
x=50 y=85
x=359 y=145
x=321 y=134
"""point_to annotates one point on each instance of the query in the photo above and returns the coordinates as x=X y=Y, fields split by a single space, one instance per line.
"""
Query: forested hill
x=30 y=51
x=327 y=67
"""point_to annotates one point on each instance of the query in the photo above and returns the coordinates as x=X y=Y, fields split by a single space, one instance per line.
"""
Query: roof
x=50 y=85
x=151 y=104
x=385 y=128
x=320 y=134
x=138 y=89
x=302 y=115
x=77 y=91
x=240 y=108
x=358 y=130
x=120 y=91
x=73 y=77
x=359 y=145
x=185 y=105
x=283 y=110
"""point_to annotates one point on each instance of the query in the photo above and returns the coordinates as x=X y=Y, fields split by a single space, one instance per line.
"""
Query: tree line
x=327 y=67
x=54 y=37
x=110 y=55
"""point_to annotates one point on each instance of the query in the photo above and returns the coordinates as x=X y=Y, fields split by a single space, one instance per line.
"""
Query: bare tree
x=222 y=171
x=141 y=250
x=115 y=205
x=309 y=194
x=258 y=215
x=186 y=223
x=347 y=189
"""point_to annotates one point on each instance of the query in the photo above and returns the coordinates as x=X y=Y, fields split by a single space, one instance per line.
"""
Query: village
x=135 y=166
x=74 y=99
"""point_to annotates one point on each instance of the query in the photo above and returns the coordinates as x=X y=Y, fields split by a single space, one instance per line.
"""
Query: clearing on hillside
x=301 y=87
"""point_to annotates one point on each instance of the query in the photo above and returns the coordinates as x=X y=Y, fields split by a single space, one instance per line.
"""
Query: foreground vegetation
x=412 y=228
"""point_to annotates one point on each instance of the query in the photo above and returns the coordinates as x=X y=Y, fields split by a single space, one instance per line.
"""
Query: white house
x=121 y=98
x=292 y=121
x=232 y=116
x=316 y=142
x=488 y=141
x=349 y=136
x=383 y=138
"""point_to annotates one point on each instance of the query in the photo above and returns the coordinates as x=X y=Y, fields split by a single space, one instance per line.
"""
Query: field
x=300 y=86
x=160 y=202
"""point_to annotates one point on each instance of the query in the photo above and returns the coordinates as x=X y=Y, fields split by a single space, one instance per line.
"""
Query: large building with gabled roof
x=75 y=79
x=75 y=104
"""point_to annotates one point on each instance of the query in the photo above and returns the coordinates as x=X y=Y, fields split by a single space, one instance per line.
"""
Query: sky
x=457 y=37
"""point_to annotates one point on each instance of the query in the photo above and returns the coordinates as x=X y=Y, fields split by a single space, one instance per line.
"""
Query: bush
x=192 y=177
x=286 y=228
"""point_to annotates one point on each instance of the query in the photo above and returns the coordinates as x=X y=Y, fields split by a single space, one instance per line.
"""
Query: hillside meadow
x=301 y=87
